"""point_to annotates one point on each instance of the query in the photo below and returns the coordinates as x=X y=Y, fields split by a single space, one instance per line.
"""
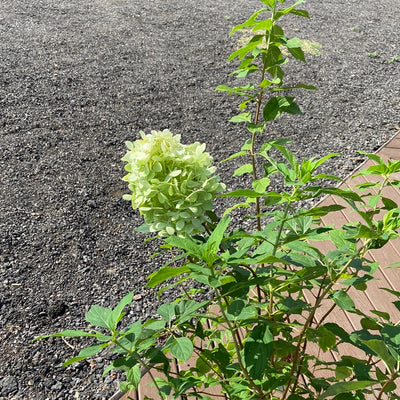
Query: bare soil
x=78 y=78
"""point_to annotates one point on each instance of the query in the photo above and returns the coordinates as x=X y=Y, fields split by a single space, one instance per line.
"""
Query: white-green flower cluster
x=172 y=184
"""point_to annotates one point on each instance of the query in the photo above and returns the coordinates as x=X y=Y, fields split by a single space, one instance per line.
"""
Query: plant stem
x=256 y=119
x=278 y=238
x=384 y=386
x=141 y=362
x=235 y=340
x=297 y=359
x=180 y=284
x=237 y=348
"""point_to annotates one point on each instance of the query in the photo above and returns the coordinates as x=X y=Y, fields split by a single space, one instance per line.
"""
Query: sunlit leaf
x=181 y=348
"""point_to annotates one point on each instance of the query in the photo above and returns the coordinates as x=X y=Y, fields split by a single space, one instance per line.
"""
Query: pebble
x=8 y=385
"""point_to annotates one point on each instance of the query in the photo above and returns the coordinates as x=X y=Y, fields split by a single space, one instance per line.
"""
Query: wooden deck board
x=372 y=299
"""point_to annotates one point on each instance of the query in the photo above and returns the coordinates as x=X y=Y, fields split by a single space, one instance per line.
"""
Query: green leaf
x=181 y=348
x=217 y=235
x=388 y=203
x=135 y=328
x=345 y=387
x=235 y=308
x=297 y=53
x=294 y=47
x=257 y=351
x=373 y=157
x=343 y=300
x=298 y=86
x=273 y=198
x=323 y=210
x=236 y=155
x=277 y=105
x=67 y=333
x=133 y=375
x=243 y=169
x=202 y=367
x=116 y=313
x=86 y=353
x=300 y=13
x=242 y=193
x=326 y=340
x=381 y=314
x=266 y=82
x=100 y=316
x=166 y=311
x=368 y=323
x=256 y=128
x=378 y=346
x=391 y=336
x=291 y=10
x=244 y=117
x=290 y=157
x=342 y=372
x=260 y=185
x=250 y=22
x=224 y=88
x=189 y=309
x=187 y=244
x=164 y=274
x=236 y=313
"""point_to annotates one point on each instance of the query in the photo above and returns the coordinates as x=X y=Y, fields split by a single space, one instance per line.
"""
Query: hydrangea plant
x=172 y=184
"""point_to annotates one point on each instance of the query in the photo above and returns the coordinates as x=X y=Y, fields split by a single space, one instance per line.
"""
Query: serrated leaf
x=342 y=372
x=99 y=316
x=181 y=348
x=260 y=185
x=378 y=346
x=300 y=13
x=345 y=387
x=202 y=367
x=242 y=193
x=236 y=155
x=186 y=244
x=217 y=235
x=116 y=313
x=164 y=274
x=277 y=105
x=257 y=351
x=343 y=300
x=133 y=375
x=381 y=314
x=256 y=128
x=243 y=169
x=250 y=22
x=243 y=117
x=86 y=353
x=68 y=333
x=326 y=340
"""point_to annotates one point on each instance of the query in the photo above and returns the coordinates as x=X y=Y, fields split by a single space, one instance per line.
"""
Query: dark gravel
x=78 y=78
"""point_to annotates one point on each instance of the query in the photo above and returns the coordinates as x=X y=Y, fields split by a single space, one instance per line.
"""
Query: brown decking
x=372 y=299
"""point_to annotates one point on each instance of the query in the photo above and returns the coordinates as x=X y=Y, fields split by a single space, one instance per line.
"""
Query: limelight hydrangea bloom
x=172 y=184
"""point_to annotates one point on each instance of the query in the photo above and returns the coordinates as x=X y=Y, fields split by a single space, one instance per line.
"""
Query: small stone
x=57 y=387
x=47 y=382
x=9 y=385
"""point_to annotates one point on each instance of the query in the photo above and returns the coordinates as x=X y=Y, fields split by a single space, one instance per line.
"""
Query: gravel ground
x=78 y=78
